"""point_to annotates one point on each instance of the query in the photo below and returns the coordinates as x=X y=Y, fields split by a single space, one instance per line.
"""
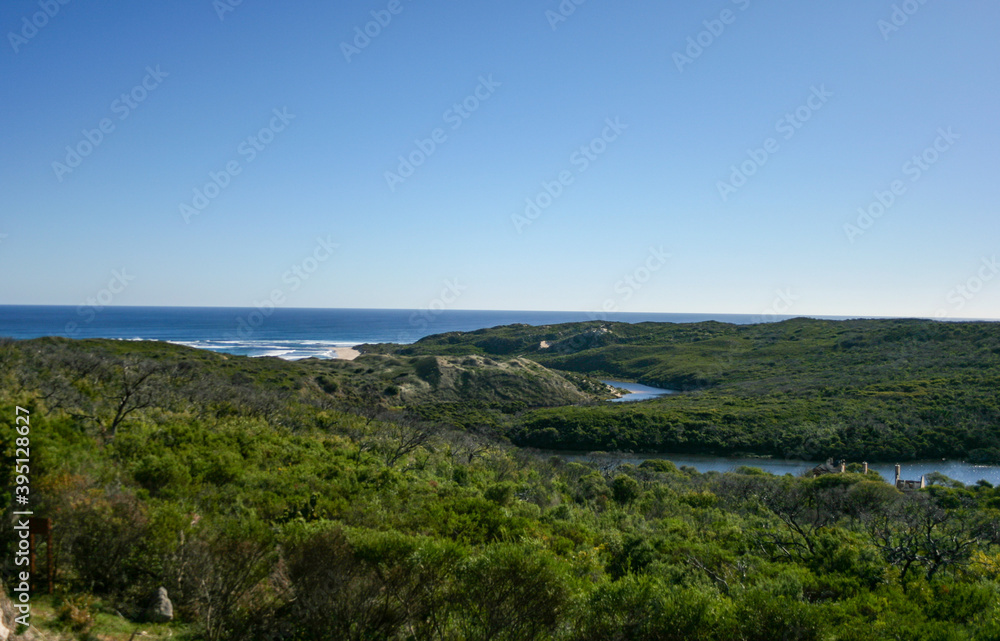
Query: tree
x=937 y=530
x=395 y=436
x=134 y=387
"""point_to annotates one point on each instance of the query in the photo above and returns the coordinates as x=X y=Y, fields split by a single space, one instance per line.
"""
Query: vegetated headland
x=386 y=497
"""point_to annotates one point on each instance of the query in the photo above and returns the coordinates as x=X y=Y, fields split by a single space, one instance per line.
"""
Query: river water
x=959 y=470
x=637 y=392
x=911 y=470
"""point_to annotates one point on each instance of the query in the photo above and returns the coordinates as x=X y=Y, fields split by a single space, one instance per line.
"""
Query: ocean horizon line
x=597 y=314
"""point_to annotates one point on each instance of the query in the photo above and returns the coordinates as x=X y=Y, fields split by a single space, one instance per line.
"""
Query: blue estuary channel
x=959 y=470
x=637 y=392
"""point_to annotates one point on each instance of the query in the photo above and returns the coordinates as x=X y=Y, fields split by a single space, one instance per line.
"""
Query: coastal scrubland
x=890 y=390
x=387 y=497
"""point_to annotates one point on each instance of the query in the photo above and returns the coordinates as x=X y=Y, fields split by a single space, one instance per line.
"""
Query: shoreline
x=345 y=353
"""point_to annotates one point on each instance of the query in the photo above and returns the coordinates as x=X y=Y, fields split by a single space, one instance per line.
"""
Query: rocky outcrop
x=7 y=614
x=8 y=623
x=5 y=617
x=162 y=610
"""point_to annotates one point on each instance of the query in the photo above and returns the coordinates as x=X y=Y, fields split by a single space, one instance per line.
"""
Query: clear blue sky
x=872 y=96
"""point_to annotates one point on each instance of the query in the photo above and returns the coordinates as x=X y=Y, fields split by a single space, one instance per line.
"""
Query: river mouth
x=637 y=392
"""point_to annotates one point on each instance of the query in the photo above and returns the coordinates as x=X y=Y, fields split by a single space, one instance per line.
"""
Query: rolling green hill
x=402 y=381
x=861 y=389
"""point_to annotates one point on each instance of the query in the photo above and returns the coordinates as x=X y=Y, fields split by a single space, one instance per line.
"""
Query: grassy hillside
x=271 y=504
x=864 y=389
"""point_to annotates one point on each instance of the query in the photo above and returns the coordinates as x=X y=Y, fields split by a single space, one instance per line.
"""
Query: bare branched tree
x=135 y=387
x=396 y=436
x=467 y=447
x=921 y=532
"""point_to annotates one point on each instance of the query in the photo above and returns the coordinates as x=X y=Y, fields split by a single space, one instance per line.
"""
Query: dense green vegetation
x=863 y=390
x=298 y=501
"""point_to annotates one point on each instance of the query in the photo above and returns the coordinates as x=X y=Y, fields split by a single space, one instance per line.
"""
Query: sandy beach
x=346 y=353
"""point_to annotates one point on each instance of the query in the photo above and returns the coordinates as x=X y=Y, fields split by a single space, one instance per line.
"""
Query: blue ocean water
x=286 y=332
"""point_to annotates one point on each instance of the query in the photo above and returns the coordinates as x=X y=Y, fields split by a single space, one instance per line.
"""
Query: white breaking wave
x=289 y=350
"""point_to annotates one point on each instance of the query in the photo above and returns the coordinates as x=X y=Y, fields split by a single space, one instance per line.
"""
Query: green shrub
x=641 y=607
x=511 y=593
x=625 y=489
